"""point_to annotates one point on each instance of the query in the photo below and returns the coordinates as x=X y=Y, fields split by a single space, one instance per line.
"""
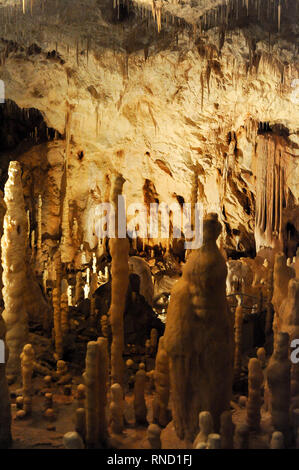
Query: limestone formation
x=289 y=323
x=139 y=398
x=261 y=355
x=57 y=324
x=238 y=340
x=153 y=435
x=96 y=378
x=214 y=441
x=5 y=415
x=116 y=409
x=199 y=337
x=154 y=339
x=64 y=311
x=241 y=436
x=13 y=244
x=161 y=411
x=278 y=378
x=281 y=277
x=81 y=395
x=105 y=326
x=72 y=440
x=27 y=366
x=277 y=440
x=227 y=429
x=81 y=422
x=119 y=249
x=205 y=422
x=79 y=291
x=254 y=402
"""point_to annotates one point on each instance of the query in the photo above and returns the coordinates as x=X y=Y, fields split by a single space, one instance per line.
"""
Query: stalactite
x=272 y=163
x=13 y=244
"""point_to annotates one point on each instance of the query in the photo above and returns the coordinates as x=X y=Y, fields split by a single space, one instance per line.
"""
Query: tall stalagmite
x=278 y=377
x=96 y=379
x=119 y=250
x=14 y=269
x=199 y=337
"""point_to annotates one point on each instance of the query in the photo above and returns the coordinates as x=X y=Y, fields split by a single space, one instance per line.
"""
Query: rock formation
x=255 y=381
x=96 y=378
x=139 y=398
x=13 y=244
x=161 y=411
x=116 y=409
x=289 y=323
x=119 y=249
x=199 y=337
x=278 y=378
x=5 y=414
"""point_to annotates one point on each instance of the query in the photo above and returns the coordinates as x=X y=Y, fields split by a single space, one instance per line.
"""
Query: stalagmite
x=13 y=245
x=5 y=414
x=67 y=248
x=199 y=337
x=238 y=340
x=261 y=355
x=277 y=440
x=27 y=365
x=154 y=339
x=289 y=323
x=205 y=422
x=227 y=429
x=281 y=277
x=96 y=378
x=39 y=223
x=139 y=398
x=81 y=422
x=214 y=441
x=153 y=435
x=72 y=440
x=57 y=324
x=278 y=378
x=64 y=310
x=79 y=292
x=241 y=436
x=116 y=409
x=161 y=413
x=254 y=402
x=105 y=326
x=119 y=249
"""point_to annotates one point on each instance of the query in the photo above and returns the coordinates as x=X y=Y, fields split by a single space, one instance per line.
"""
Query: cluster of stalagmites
x=190 y=370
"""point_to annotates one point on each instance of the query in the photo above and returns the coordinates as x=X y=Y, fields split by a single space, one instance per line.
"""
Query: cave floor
x=35 y=432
